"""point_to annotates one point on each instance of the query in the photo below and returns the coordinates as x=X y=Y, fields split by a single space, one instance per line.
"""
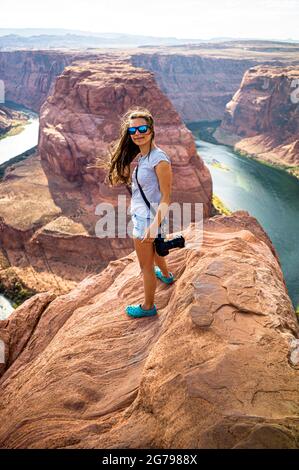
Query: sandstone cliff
x=29 y=76
x=262 y=119
x=48 y=202
x=215 y=369
x=81 y=118
x=199 y=87
x=200 y=79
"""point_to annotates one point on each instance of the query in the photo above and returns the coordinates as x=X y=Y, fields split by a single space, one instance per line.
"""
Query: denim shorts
x=140 y=224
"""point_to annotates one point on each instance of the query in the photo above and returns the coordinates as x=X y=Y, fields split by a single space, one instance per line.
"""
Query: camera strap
x=144 y=196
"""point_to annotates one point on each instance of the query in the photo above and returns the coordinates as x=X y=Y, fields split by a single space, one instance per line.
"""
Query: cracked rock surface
x=212 y=370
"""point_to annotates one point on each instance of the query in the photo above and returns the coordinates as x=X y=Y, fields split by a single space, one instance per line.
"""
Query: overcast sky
x=265 y=19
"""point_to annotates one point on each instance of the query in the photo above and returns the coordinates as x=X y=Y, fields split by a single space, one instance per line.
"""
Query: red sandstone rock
x=199 y=86
x=48 y=228
x=89 y=376
x=17 y=331
x=199 y=79
x=262 y=119
x=29 y=76
x=82 y=117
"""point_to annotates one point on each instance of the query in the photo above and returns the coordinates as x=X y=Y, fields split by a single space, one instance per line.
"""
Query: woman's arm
x=164 y=174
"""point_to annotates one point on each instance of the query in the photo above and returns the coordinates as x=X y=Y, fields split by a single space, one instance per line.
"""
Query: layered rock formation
x=199 y=87
x=218 y=367
x=10 y=118
x=81 y=118
x=29 y=76
x=262 y=119
x=200 y=79
x=47 y=230
x=215 y=369
x=48 y=227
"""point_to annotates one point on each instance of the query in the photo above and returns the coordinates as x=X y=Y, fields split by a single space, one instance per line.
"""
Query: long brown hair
x=123 y=151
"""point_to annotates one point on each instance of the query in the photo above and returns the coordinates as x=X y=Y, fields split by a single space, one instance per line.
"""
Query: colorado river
x=10 y=147
x=268 y=194
x=14 y=145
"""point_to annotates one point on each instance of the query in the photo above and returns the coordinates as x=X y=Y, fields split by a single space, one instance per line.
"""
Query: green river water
x=270 y=195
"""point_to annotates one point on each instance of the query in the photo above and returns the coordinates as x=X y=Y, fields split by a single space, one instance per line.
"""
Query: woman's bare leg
x=160 y=261
x=145 y=254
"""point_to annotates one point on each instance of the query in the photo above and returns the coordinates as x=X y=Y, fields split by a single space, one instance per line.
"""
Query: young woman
x=155 y=178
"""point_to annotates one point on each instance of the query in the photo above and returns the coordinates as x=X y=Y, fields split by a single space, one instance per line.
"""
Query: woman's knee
x=145 y=253
x=147 y=262
x=147 y=268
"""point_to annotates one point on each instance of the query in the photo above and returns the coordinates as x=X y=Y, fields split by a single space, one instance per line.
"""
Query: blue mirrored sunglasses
x=142 y=129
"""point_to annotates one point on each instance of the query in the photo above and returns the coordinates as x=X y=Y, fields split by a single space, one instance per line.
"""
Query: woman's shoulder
x=159 y=151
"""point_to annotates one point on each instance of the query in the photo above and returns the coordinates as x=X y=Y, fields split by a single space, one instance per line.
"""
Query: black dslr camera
x=162 y=247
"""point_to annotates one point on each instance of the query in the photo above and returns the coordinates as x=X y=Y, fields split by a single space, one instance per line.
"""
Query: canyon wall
x=217 y=368
x=198 y=80
x=198 y=86
x=82 y=117
x=48 y=202
x=84 y=375
x=262 y=119
x=29 y=75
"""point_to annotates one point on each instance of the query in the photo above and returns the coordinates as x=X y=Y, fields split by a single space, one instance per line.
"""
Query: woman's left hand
x=147 y=238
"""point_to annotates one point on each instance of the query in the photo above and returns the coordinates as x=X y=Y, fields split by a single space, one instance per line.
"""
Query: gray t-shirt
x=149 y=182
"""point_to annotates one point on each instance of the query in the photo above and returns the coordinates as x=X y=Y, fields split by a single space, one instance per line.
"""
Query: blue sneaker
x=159 y=275
x=137 y=311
